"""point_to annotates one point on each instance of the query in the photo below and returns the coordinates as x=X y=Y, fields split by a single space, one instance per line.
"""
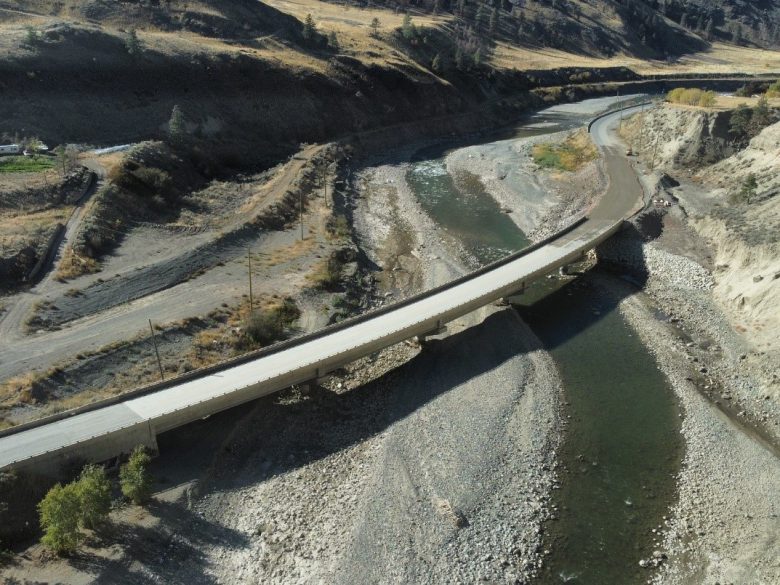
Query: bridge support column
x=439 y=330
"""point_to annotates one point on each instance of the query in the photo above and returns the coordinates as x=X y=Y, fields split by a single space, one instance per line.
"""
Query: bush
x=60 y=512
x=268 y=325
x=692 y=97
x=94 y=491
x=134 y=478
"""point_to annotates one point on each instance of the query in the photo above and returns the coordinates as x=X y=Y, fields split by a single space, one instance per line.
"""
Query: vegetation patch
x=692 y=97
x=576 y=151
x=268 y=325
x=25 y=164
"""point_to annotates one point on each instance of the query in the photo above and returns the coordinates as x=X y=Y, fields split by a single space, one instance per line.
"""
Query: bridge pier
x=439 y=330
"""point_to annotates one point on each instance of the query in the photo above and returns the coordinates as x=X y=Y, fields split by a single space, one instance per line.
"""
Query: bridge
x=103 y=430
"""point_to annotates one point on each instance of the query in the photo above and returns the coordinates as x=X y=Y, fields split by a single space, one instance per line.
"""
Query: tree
x=134 y=478
x=67 y=157
x=375 y=24
x=60 y=512
x=177 y=127
x=333 y=41
x=749 y=189
x=407 y=28
x=740 y=120
x=684 y=20
x=459 y=58
x=436 y=64
x=494 y=21
x=709 y=32
x=478 y=56
x=31 y=36
x=309 y=28
x=436 y=6
x=94 y=491
x=480 y=16
x=761 y=117
x=133 y=44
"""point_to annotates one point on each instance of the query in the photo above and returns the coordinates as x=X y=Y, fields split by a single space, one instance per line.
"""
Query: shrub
x=60 y=512
x=134 y=478
x=94 y=491
x=268 y=325
x=692 y=97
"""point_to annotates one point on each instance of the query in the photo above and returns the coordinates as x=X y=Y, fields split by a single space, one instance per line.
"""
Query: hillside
x=253 y=80
x=699 y=146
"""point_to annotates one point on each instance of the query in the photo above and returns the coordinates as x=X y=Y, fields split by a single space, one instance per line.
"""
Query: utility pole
x=655 y=151
x=249 y=264
x=156 y=351
x=301 y=194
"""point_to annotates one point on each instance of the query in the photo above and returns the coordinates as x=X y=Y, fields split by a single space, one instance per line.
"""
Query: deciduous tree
x=134 y=478
x=60 y=512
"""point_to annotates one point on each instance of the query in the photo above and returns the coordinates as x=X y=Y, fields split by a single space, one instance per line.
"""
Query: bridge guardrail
x=287 y=344
x=294 y=342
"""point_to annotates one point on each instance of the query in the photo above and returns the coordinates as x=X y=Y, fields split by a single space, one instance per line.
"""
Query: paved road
x=304 y=360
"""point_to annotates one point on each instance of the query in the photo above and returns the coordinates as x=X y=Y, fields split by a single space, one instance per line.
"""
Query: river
x=622 y=445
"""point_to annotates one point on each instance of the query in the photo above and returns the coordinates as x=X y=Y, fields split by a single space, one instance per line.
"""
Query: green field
x=25 y=164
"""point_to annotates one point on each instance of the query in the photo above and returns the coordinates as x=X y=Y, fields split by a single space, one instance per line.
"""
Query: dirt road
x=154 y=292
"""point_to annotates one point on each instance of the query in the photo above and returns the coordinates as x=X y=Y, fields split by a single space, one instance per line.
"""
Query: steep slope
x=746 y=237
x=234 y=19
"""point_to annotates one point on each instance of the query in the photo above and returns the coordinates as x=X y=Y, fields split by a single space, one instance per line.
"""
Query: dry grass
x=719 y=58
x=72 y=265
x=723 y=103
x=19 y=389
x=20 y=228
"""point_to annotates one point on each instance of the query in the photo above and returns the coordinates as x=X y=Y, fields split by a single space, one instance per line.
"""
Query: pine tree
x=375 y=24
x=333 y=41
x=459 y=58
x=478 y=56
x=480 y=16
x=31 y=36
x=309 y=28
x=709 y=32
x=176 y=125
x=494 y=21
x=133 y=44
x=684 y=20
x=761 y=117
x=436 y=64
x=407 y=28
x=740 y=121
x=749 y=188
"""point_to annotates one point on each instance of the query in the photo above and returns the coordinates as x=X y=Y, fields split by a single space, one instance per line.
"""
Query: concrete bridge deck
x=102 y=431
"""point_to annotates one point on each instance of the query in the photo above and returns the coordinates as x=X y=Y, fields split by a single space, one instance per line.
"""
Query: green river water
x=622 y=445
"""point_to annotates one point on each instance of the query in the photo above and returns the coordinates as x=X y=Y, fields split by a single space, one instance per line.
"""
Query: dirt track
x=156 y=291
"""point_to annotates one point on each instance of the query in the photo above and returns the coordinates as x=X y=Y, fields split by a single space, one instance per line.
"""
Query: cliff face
x=686 y=137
